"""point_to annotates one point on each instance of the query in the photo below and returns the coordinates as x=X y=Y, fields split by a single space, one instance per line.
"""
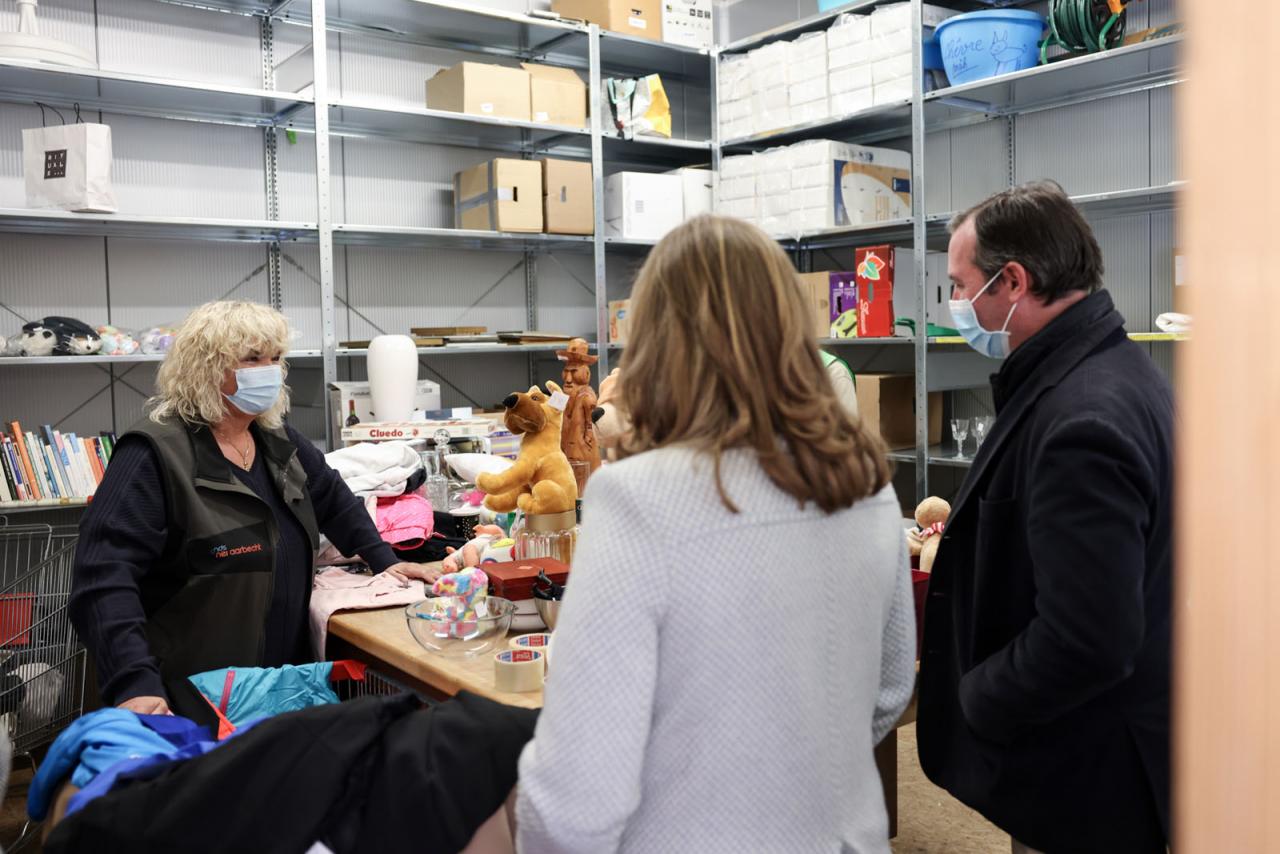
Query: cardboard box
x=697 y=185
x=557 y=96
x=642 y=205
x=642 y=18
x=568 y=204
x=875 y=268
x=688 y=23
x=501 y=195
x=481 y=90
x=618 y=322
x=817 y=293
x=886 y=402
x=870 y=185
x=342 y=395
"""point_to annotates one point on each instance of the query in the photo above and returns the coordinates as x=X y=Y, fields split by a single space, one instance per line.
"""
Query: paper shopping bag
x=68 y=167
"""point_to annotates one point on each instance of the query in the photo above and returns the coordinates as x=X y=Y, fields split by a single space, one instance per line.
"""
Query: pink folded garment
x=338 y=590
x=405 y=521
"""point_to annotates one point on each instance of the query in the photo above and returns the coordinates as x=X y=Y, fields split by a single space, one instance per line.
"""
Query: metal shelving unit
x=325 y=116
x=1143 y=67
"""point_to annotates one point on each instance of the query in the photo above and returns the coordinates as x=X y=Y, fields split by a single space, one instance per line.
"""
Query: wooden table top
x=384 y=635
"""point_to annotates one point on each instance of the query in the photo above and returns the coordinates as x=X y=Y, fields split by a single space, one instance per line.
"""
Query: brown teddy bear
x=931 y=517
x=541 y=481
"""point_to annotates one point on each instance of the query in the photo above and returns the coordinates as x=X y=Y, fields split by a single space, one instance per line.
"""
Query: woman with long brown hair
x=738 y=632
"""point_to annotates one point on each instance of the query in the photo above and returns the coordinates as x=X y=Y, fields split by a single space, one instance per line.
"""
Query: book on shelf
x=418 y=341
x=447 y=331
x=47 y=468
x=533 y=336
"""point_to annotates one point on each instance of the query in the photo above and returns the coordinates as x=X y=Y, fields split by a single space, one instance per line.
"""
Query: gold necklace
x=244 y=455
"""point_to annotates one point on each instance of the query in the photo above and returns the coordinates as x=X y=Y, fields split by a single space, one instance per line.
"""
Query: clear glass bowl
x=436 y=627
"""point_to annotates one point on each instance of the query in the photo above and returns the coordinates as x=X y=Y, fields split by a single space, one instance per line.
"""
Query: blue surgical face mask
x=257 y=389
x=993 y=345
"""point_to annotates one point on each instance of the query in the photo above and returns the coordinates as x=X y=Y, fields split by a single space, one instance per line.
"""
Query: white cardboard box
x=768 y=66
x=642 y=205
x=343 y=394
x=873 y=184
x=697 y=190
x=688 y=23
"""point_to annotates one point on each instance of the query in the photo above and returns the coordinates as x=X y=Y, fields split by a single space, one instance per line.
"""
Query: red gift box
x=873 y=267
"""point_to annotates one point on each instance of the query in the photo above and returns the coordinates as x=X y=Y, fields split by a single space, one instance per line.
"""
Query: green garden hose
x=1083 y=26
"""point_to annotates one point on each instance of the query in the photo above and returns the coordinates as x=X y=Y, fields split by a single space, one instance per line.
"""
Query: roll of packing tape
x=540 y=641
x=518 y=670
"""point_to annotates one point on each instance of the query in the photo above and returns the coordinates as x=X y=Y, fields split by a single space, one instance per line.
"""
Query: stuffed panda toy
x=59 y=336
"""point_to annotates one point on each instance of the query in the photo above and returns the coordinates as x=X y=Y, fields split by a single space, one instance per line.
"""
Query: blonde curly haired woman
x=738 y=632
x=196 y=553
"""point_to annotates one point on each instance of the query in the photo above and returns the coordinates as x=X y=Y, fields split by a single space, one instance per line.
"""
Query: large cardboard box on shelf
x=568 y=203
x=886 y=402
x=557 y=96
x=642 y=18
x=688 y=23
x=642 y=205
x=836 y=184
x=817 y=292
x=342 y=395
x=500 y=195
x=618 y=322
x=481 y=90
x=697 y=184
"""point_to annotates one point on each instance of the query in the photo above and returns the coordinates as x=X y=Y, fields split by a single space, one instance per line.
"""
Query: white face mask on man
x=993 y=345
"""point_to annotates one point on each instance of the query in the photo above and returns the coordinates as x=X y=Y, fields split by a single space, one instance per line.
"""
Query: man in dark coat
x=1044 y=683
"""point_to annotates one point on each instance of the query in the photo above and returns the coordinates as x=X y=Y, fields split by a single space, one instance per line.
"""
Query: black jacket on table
x=374 y=774
x=1044 y=682
x=182 y=567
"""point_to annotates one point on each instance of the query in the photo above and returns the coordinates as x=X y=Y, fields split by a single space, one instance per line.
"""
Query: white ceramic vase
x=393 y=377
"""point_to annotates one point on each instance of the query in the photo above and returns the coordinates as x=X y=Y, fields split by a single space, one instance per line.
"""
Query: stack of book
x=50 y=468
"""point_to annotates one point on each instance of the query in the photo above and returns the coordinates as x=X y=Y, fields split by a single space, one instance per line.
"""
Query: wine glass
x=960 y=429
x=981 y=427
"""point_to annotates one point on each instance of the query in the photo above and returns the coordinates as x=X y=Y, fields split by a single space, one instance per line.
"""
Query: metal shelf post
x=919 y=251
x=597 y=192
x=324 y=216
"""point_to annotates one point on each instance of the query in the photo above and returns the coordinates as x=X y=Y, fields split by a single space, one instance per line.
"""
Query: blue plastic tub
x=979 y=45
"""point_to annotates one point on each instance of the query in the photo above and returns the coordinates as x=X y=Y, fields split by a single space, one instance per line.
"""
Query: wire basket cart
x=42 y=662
x=374 y=684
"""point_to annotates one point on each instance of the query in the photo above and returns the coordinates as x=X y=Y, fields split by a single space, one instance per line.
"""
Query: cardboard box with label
x=886 y=402
x=642 y=18
x=697 y=190
x=618 y=322
x=874 y=267
x=870 y=185
x=501 y=195
x=642 y=205
x=345 y=395
x=557 y=96
x=688 y=23
x=568 y=203
x=843 y=318
x=481 y=90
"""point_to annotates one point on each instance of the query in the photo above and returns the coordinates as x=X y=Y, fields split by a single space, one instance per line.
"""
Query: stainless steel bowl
x=548 y=610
